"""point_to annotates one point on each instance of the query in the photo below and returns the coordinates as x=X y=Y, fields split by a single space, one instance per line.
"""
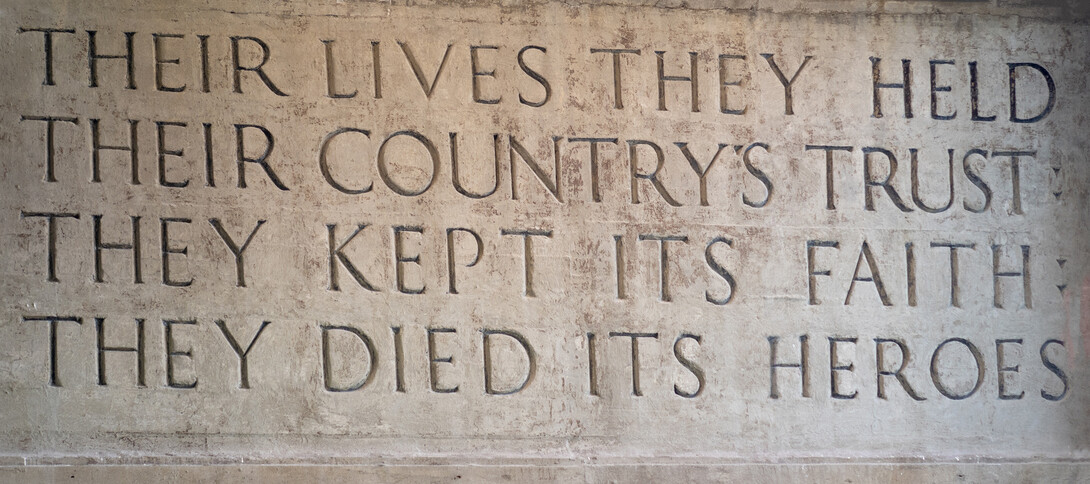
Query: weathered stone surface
x=805 y=307
x=555 y=472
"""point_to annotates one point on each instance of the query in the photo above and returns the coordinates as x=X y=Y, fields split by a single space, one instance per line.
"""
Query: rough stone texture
x=758 y=247
x=569 y=472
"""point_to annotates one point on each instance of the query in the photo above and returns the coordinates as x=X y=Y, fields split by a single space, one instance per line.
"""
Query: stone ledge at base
x=571 y=472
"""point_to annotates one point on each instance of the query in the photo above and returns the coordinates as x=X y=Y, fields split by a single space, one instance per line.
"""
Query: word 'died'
x=435 y=359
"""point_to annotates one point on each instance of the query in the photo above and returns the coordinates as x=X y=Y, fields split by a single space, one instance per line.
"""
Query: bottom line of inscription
x=98 y=351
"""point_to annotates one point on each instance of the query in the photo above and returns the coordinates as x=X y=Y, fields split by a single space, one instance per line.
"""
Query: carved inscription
x=354 y=214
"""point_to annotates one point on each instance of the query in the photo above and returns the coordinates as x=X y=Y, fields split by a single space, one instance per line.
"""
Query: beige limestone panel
x=534 y=270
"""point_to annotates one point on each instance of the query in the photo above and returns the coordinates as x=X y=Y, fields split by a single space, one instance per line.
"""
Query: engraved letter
x=454 y=168
x=811 y=271
x=664 y=261
x=697 y=371
x=802 y=365
x=400 y=258
x=872 y=266
x=51 y=239
x=262 y=160
x=788 y=108
x=830 y=194
x=133 y=245
x=428 y=87
x=700 y=172
x=48 y=33
x=100 y=331
x=243 y=366
x=1016 y=179
x=384 y=172
x=531 y=359
x=616 y=53
x=164 y=152
x=477 y=73
x=336 y=255
x=259 y=68
x=906 y=86
x=954 y=289
x=974 y=95
x=171 y=352
x=236 y=250
x=323 y=162
x=54 y=380
x=595 y=194
x=331 y=75
x=758 y=174
x=157 y=46
x=1012 y=68
x=634 y=337
x=93 y=57
x=936 y=89
x=869 y=183
x=451 y=287
x=1056 y=370
x=167 y=249
x=723 y=83
x=719 y=269
x=916 y=183
x=835 y=367
x=1027 y=295
x=692 y=80
x=976 y=181
x=1001 y=368
x=327 y=360
x=536 y=76
x=433 y=367
x=633 y=164
x=50 y=152
x=528 y=254
x=553 y=186
x=935 y=374
x=880 y=364
x=97 y=146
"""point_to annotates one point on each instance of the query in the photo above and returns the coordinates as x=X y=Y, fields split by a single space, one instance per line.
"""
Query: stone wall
x=570 y=241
